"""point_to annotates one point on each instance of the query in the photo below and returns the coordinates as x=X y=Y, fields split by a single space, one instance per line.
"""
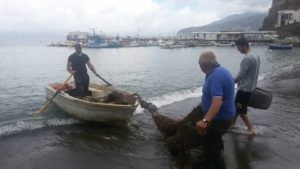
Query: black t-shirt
x=78 y=63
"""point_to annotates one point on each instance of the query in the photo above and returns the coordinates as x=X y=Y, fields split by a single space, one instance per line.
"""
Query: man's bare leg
x=248 y=124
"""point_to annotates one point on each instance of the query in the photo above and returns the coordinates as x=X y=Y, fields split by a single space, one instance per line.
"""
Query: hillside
x=236 y=22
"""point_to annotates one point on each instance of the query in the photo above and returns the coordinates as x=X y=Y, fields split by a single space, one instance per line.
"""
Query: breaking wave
x=34 y=124
x=176 y=96
x=173 y=97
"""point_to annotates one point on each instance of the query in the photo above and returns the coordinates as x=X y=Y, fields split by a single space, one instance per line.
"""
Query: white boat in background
x=172 y=46
x=131 y=43
x=105 y=112
x=224 y=44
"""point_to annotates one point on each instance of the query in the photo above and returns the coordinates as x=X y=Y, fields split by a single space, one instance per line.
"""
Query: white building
x=232 y=36
x=205 y=35
x=77 y=36
x=287 y=17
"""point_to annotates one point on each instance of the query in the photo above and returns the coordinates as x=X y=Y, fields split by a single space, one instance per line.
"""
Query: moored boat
x=280 y=46
x=95 y=108
x=225 y=44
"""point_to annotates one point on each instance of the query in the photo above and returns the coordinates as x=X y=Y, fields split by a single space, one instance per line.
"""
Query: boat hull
x=114 y=114
x=280 y=47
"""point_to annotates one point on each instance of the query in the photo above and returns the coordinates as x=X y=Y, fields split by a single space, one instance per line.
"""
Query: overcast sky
x=124 y=17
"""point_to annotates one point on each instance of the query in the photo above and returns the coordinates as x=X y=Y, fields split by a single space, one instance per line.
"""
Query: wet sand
x=85 y=146
x=277 y=143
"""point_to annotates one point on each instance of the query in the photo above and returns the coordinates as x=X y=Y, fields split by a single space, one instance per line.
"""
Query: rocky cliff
x=271 y=19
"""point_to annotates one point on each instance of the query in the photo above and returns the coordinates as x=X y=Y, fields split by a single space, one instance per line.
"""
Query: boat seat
x=98 y=93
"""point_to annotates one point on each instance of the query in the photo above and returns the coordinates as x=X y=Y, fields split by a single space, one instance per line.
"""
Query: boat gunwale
x=67 y=96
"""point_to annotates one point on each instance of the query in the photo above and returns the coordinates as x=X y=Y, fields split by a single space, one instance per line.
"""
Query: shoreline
x=276 y=127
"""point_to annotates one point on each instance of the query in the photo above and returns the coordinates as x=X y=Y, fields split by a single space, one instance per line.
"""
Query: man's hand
x=73 y=72
x=201 y=127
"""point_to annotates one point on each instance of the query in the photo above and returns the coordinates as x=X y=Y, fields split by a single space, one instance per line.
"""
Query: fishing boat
x=224 y=44
x=100 y=41
x=280 y=46
x=100 y=106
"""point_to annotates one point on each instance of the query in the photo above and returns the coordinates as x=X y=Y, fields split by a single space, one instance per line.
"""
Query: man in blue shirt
x=217 y=102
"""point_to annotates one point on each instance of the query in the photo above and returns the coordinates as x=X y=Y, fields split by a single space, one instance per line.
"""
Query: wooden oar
x=46 y=104
x=104 y=80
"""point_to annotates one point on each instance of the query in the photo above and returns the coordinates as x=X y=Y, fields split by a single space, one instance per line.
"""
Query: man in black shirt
x=77 y=67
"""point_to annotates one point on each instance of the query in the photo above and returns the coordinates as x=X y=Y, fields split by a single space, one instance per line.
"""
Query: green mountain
x=237 y=22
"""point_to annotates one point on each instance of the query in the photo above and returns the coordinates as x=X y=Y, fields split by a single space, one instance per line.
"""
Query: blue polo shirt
x=219 y=82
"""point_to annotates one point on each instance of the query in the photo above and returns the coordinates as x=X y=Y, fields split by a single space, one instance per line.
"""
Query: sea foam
x=34 y=124
x=173 y=97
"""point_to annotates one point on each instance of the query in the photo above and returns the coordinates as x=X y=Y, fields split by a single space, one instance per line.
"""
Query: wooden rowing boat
x=112 y=112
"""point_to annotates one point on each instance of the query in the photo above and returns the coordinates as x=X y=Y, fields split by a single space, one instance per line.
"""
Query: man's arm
x=212 y=111
x=243 y=70
x=69 y=68
x=91 y=67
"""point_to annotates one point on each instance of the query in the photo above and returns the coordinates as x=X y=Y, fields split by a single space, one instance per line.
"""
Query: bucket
x=260 y=99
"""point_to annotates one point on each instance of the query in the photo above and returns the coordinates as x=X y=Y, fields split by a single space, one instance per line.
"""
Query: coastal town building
x=284 y=18
x=287 y=17
x=77 y=36
x=232 y=36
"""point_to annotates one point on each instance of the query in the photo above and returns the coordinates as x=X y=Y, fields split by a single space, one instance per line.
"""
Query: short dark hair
x=242 y=42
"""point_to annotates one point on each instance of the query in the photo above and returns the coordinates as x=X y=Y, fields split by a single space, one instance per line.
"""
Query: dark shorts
x=82 y=84
x=241 y=101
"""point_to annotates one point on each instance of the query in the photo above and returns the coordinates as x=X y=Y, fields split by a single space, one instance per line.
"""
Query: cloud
x=146 y=17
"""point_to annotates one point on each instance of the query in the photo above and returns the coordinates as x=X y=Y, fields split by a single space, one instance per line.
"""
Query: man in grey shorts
x=246 y=80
